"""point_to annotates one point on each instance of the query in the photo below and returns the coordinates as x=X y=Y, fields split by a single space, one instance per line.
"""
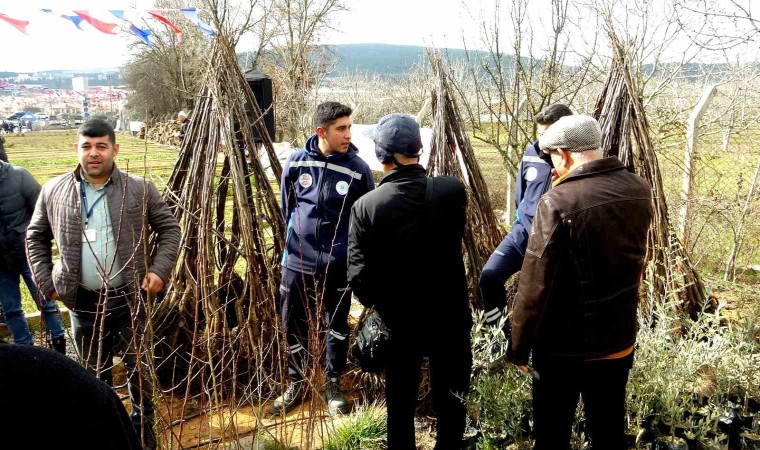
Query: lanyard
x=87 y=210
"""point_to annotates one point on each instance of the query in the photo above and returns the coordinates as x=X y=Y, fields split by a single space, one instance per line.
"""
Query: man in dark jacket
x=97 y=215
x=405 y=259
x=18 y=195
x=579 y=287
x=34 y=379
x=320 y=183
x=535 y=179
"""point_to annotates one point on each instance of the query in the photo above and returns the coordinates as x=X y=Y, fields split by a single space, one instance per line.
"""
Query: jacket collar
x=592 y=168
x=114 y=178
x=403 y=173
x=312 y=148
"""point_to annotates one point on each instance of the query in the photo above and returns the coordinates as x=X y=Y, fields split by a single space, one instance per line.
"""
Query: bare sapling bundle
x=451 y=153
x=217 y=326
x=625 y=134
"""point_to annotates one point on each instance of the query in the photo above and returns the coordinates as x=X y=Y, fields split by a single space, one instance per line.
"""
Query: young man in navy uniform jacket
x=535 y=173
x=320 y=183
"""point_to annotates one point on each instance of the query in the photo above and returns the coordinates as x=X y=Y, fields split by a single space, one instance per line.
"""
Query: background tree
x=513 y=78
x=296 y=62
x=165 y=77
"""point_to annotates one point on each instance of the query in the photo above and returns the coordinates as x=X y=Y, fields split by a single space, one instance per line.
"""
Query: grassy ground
x=49 y=154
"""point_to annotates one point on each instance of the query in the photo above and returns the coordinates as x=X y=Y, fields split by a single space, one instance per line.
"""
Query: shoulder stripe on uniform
x=344 y=170
x=534 y=159
x=328 y=166
x=307 y=164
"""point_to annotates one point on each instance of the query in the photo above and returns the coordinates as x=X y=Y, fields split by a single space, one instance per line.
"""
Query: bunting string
x=122 y=23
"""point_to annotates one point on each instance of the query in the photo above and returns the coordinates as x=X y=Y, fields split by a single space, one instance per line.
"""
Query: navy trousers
x=311 y=304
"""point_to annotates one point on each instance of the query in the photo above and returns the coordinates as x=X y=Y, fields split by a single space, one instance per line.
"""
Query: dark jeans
x=504 y=262
x=450 y=363
x=600 y=383
x=112 y=315
x=11 y=308
x=302 y=298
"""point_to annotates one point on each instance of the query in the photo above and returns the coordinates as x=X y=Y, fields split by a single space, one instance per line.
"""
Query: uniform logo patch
x=305 y=180
x=342 y=187
x=531 y=173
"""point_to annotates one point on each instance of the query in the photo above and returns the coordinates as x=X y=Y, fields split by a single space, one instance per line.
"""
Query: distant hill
x=388 y=59
x=384 y=59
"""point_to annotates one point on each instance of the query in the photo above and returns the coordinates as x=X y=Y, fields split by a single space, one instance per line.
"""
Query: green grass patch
x=366 y=429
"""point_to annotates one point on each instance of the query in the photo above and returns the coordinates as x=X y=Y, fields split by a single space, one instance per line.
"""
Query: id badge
x=90 y=235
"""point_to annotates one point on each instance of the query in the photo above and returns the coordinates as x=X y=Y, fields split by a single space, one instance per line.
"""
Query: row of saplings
x=694 y=385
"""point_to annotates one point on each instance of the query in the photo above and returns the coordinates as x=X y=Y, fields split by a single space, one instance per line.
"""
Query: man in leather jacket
x=579 y=287
x=405 y=259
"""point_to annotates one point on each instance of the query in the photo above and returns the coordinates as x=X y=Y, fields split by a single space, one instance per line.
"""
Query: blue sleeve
x=527 y=195
x=519 y=187
x=286 y=202
x=532 y=196
x=370 y=180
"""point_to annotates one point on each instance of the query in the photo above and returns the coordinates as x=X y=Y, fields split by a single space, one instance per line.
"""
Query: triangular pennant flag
x=76 y=20
x=20 y=25
x=192 y=14
x=161 y=18
x=141 y=33
x=103 y=27
x=134 y=29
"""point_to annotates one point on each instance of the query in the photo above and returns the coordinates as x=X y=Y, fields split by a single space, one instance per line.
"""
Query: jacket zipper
x=319 y=219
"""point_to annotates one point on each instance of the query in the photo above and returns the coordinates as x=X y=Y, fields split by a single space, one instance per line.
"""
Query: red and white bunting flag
x=18 y=24
x=103 y=27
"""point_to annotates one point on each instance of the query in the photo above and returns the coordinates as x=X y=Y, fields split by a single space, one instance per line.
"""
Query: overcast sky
x=54 y=43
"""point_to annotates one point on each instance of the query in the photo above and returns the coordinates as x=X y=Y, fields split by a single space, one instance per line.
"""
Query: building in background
x=80 y=84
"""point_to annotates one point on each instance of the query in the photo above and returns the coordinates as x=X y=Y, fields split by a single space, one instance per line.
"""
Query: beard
x=102 y=168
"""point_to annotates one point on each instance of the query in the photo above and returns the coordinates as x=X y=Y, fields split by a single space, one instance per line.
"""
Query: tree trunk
x=730 y=273
x=687 y=183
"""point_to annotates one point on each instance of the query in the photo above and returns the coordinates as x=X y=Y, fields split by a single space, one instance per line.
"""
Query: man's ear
x=567 y=159
x=321 y=132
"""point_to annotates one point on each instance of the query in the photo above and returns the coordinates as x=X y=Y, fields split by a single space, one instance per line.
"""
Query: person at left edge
x=320 y=183
x=96 y=214
x=18 y=194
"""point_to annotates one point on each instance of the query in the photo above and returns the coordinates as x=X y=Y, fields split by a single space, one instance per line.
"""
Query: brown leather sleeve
x=545 y=247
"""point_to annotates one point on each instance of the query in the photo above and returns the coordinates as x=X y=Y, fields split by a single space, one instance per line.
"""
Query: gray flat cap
x=572 y=133
x=398 y=133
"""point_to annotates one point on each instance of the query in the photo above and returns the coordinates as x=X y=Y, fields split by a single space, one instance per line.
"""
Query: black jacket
x=183 y=129
x=91 y=413
x=579 y=284
x=405 y=258
x=18 y=195
x=3 y=155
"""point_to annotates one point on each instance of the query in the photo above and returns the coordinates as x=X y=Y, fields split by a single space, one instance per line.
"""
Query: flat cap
x=576 y=133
